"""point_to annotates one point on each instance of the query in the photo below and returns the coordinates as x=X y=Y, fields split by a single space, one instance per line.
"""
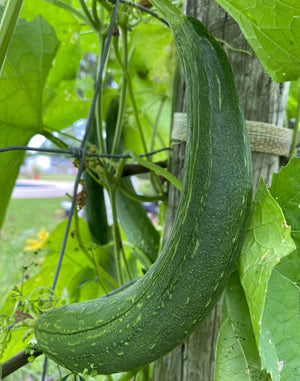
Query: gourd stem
x=169 y=11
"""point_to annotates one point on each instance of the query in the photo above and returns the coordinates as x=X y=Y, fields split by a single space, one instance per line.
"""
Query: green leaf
x=66 y=64
x=267 y=241
x=63 y=22
x=241 y=352
x=66 y=377
x=28 y=62
x=155 y=61
x=64 y=106
x=237 y=357
x=280 y=338
x=272 y=28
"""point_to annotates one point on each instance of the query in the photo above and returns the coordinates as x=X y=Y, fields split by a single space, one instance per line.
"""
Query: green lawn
x=24 y=219
x=43 y=176
x=31 y=214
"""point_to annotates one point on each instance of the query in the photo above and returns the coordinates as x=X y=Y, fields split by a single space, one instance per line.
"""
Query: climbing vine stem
x=122 y=98
x=296 y=129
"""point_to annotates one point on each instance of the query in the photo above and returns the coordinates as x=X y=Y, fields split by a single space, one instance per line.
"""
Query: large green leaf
x=154 y=55
x=62 y=105
x=268 y=240
x=280 y=338
x=237 y=357
x=270 y=279
x=22 y=80
x=63 y=21
x=272 y=28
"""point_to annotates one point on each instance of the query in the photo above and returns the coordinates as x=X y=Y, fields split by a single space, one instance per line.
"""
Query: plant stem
x=95 y=14
x=128 y=376
x=111 y=188
x=118 y=245
x=58 y=142
x=143 y=258
x=157 y=121
x=132 y=98
x=116 y=235
x=122 y=99
x=157 y=169
x=7 y=27
x=137 y=197
x=234 y=49
x=296 y=128
x=99 y=108
x=168 y=10
x=101 y=273
x=88 y=14
x=135 y=109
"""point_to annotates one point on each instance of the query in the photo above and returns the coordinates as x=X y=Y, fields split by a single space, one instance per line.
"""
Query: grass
x=44 y=176
x=24 y=219
x=31 y=214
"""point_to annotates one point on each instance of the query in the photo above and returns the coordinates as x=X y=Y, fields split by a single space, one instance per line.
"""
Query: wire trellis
x=78 y=152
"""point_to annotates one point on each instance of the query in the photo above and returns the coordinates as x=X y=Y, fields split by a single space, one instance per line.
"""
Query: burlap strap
x=264 y=137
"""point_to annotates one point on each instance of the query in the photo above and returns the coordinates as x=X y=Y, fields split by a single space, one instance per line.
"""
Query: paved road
x=42 y=189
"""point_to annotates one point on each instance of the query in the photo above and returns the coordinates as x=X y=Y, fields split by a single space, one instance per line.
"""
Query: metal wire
x=78 y=152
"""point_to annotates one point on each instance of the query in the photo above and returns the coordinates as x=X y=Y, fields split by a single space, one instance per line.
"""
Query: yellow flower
x=36 y=244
